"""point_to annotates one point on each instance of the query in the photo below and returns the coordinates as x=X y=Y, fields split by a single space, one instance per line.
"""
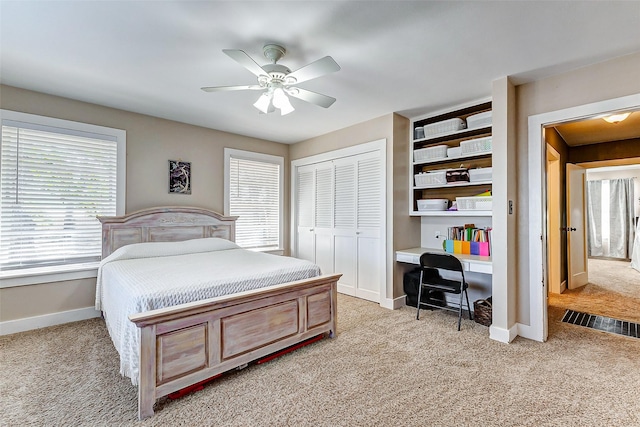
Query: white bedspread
x=148 y=276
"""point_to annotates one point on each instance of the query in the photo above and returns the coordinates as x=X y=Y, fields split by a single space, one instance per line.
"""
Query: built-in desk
x=473 y=263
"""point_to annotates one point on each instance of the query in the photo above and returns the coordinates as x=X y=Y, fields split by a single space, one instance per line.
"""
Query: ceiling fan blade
x=313 y=97
x=317 y=68
x=245 y=60
x=228 y=88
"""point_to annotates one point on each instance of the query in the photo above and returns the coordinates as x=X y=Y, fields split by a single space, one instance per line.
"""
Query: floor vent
x=602 y=323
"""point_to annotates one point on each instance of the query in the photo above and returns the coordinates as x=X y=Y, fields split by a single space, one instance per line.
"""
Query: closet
x=338 y=215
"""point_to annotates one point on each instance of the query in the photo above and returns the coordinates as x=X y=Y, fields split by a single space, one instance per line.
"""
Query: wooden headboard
x=164 y=224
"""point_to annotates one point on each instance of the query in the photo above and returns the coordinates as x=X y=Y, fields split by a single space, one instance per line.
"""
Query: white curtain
x=635 y=254
x=594 y=218
x=610 y=218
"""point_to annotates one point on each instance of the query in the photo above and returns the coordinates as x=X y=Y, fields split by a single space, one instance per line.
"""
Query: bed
x=180 y=313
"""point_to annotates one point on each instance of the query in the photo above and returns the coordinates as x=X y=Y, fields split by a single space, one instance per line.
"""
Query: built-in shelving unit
x=452 y=139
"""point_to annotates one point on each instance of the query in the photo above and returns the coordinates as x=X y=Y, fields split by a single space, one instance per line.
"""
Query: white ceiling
x=152 y=57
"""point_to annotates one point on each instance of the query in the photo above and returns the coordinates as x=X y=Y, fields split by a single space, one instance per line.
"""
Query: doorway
x=613 y=287
x=538 y=221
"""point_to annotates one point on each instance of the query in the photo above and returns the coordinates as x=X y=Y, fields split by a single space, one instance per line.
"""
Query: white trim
x=61 y=273
x=503 y=335
x=379 y=145
x=393 y=303
x=29 y=323
x=354 y=150
x=83 y=129
x=260 y=157
x=537 y=329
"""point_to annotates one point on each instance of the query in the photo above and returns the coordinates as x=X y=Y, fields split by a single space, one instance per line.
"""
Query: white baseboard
x=563 y=286
x=526 y=331
x=393 y=304
x=28 y=323
x=503 y=335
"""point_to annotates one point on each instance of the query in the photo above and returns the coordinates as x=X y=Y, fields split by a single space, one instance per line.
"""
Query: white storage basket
x=445 y=126
x=454 y=152
x=479 y=120
x=433 y=204
x=478 y=203
x=480 y=174
x=430 y=153
x=476 y=146
x=426 y=179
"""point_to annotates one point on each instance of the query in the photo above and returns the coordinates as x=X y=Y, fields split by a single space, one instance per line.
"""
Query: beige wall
x=46 y=298
x=607 y=80
x=503 y=250
x=406 y=229
x=151 y=142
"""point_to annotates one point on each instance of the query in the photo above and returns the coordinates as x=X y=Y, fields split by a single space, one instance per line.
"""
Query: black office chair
x=430 y=282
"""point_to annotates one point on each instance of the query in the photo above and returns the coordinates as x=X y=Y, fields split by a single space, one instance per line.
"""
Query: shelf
x=452 y=159
x=452 y=139
x=451 y=185
x=463 y=133
x=451 y=213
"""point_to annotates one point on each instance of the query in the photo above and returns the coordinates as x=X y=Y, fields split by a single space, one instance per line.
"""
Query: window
x=56 y=177
x=253 y=192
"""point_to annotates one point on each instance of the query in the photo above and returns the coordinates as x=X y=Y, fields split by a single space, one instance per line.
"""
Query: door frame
x=554 y=221
x=538 y=280
x=367 y=147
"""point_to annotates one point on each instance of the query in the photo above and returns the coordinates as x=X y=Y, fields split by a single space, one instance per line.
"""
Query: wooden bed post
x=147 y=378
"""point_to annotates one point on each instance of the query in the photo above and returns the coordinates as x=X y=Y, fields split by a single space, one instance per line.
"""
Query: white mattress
x=148 y=276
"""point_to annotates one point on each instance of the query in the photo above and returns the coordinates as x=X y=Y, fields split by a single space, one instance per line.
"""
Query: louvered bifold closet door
x=345 y=197
x=305 y=197
x=345 y=236
x=323 y=226
x=369 y=216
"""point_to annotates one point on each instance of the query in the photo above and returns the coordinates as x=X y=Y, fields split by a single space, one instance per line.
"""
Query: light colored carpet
x=613 y=291
x=384 y=369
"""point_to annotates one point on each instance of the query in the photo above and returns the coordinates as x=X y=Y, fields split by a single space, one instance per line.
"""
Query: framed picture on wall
x=179 y=177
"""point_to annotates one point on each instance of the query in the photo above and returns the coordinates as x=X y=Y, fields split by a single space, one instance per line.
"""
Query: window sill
x=274 y=251
x=59 y=273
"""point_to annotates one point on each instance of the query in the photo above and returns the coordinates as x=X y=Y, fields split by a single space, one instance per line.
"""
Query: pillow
x=160 y=249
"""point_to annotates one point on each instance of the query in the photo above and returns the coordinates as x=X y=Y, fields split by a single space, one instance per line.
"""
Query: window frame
x=258 y=157
x=72 y=271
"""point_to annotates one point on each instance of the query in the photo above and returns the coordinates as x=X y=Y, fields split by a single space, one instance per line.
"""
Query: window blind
x=254 y=196
x=53 y=184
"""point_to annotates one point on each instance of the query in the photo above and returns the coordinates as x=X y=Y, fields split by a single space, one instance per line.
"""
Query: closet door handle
x=570 y=229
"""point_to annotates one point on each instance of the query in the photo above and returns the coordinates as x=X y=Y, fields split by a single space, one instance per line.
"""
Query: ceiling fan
x=277 y=81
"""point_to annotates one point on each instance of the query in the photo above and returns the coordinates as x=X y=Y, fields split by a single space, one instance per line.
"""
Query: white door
x=346 y=245
x=305 y=237
x=369 y=217
x=323 y=217
x=340 y=219
x=576 y=227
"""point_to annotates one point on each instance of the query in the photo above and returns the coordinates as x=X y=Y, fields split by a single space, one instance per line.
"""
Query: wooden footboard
x=186 y=344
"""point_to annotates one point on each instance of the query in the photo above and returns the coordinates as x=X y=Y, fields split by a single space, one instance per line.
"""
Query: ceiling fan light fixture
x=281 y=101
x=616 y=118
x=263 y=102
x=275 y=80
